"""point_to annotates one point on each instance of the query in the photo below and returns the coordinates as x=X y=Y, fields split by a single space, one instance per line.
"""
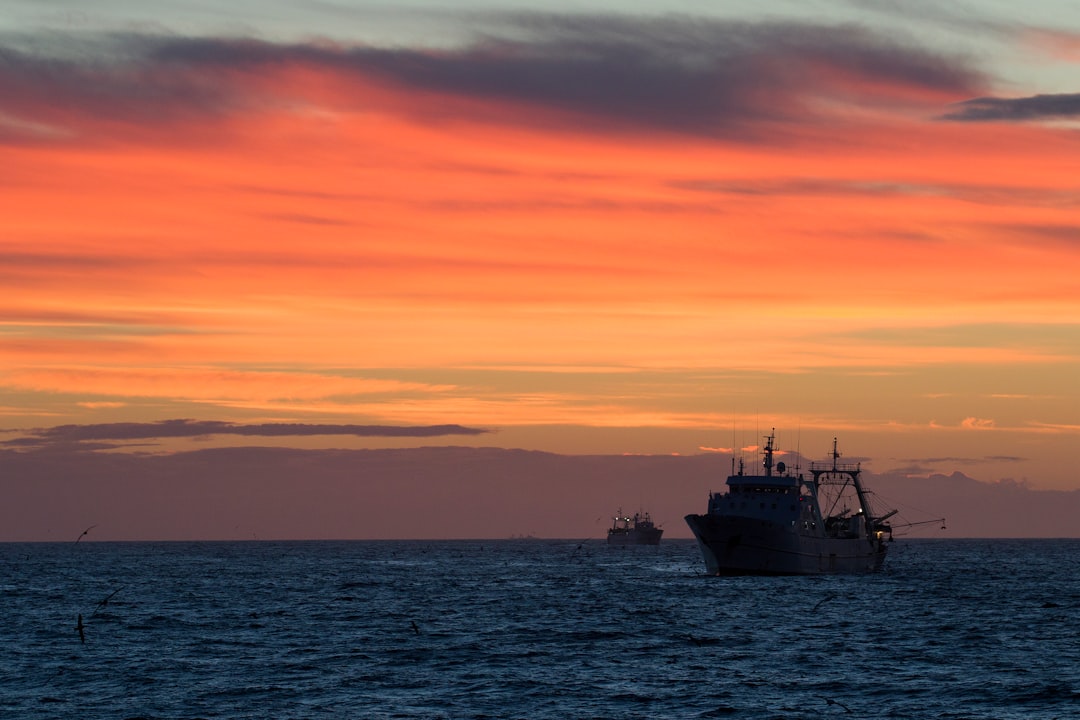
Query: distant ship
x=782 y=523
x=637 y=530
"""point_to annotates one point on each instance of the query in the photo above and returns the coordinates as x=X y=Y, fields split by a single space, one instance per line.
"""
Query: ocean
x=532 y=629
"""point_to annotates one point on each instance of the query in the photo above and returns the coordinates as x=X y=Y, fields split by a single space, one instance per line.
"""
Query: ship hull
x=732 y=545
x=635 y=537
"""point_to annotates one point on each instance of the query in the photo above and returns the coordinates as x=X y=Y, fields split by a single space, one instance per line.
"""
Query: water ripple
x=532 y=629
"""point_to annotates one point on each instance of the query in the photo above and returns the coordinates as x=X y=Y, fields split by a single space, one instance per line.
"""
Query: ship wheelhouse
x=778 y=499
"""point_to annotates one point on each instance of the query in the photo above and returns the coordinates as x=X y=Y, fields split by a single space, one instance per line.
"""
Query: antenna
x=734 y=443
x=798 y=448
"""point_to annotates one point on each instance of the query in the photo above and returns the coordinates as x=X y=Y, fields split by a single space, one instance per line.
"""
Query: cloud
x=15 y=261
x=1068 y=235
x=302 y=219
x=184 y=428
x=958 y=460
x=205 y=384
x=676 y=73
x=1043 y=338
x=1060 y=106
x=1055 y=427
x=1058 y=44
x=673 y=74
x=986 y=194
x=226 y=493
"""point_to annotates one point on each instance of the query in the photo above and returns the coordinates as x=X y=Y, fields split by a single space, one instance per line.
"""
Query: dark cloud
x=812 y=187
x=1064 y=234
x=808 y=186
x=1037 y=107
x=675 y=74
x=1052 y=337
x=921 y=463
x=47 y=98
x=199 y=428
x=11 y=260
x=303 y=219
x=434 y=492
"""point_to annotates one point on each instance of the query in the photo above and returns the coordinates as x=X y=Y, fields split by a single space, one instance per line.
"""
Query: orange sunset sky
x=603 y=228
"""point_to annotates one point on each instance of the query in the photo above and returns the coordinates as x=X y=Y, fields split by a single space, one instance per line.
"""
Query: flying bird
x=84 y=532
x=830 y=701
x=105 y=602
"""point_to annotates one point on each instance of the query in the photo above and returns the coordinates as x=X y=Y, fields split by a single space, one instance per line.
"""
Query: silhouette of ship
x=637 y=530
x=783 y=523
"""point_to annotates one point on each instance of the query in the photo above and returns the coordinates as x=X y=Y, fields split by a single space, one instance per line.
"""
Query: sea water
x=532 y=629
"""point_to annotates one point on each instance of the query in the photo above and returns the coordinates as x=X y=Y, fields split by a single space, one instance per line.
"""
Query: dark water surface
x=532 y=629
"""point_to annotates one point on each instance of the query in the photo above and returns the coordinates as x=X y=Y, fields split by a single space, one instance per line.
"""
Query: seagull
x=830 y=701
x=105 y=602
x=84 y=532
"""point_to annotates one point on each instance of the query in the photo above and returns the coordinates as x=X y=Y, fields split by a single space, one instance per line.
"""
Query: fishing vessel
x=782 y=522
x=637 y=530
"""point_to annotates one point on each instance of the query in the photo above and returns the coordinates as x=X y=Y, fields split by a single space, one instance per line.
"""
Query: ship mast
x=852 y=471
x=768 y=452
x=838 y=470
